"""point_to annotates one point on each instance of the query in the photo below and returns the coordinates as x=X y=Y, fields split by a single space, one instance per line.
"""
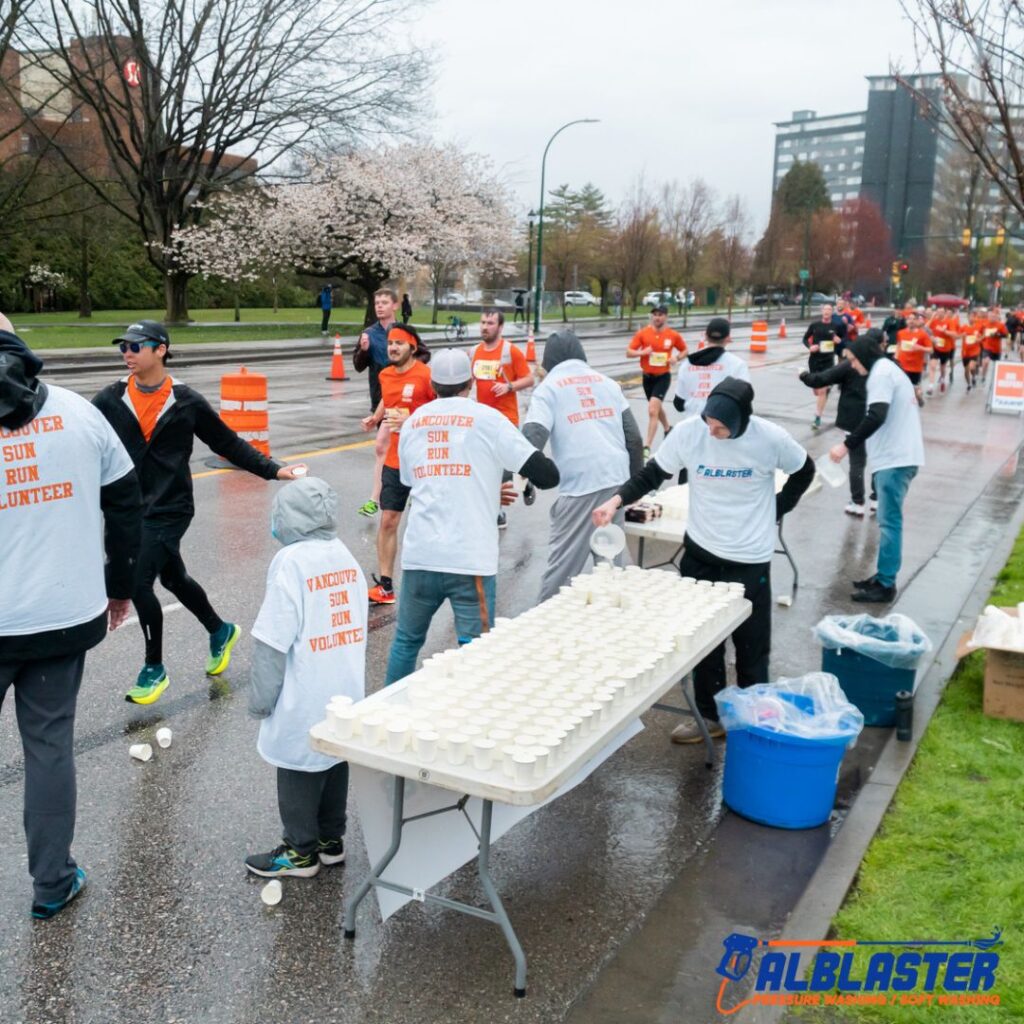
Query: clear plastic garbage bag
x=997 y=629
x=810 y=707
x=895 y=641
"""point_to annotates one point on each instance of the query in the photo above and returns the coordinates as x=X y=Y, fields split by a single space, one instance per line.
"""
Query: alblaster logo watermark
x=915 y=972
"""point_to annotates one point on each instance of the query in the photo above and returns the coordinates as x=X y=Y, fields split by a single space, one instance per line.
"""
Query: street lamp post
x=538 y=294
x=529 y=263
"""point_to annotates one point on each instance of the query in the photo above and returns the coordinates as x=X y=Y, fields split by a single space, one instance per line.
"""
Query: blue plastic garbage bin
x=779 y=780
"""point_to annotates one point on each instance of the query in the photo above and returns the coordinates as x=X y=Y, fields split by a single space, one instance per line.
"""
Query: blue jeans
x=892 y=486
x=422 y=593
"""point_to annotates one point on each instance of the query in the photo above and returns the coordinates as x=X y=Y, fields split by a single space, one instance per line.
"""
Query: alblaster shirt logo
x=908 y=973
x=723 y=473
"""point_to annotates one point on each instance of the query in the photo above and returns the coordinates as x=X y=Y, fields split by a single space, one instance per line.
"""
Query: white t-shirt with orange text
x=314 y=611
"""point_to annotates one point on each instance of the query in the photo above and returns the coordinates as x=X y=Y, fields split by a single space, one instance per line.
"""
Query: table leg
x=640 y=552
x=789 y=558
x=500 y=914
x=691 y=701
x=377 y=870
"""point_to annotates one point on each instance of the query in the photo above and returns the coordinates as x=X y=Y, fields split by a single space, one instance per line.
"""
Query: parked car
x=820 y=298
x=579 y=299
x=658 y=298
x=453 y=299
x=774 y=298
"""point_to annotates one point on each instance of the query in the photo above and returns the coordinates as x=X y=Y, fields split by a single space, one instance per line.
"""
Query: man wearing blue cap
x=158 y=419
x=731 y=457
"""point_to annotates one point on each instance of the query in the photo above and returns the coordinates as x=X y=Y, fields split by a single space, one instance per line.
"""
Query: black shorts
x=656 y=385
x=914 y=375
x=994 y=356
x=394 y=495
x=943 y=357
x=818 y=361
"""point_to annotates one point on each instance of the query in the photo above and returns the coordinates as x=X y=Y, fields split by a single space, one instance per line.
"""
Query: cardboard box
x=1004 y=677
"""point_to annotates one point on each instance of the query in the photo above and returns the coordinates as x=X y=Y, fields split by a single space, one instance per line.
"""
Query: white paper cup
x=426 y=745
x=524 y=765
x=501 y=735
x=272 y=892
x=542 y=754
x=483 y=753
x=458 y=748
x=373 y=730
x=343 y=722
x=398 y=737
x=141 y=751
x=163 y=737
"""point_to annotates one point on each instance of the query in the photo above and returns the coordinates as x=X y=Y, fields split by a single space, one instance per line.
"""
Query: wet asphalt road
x=172 y=929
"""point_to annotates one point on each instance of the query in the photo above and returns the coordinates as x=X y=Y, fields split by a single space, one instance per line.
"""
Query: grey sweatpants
x=313 y=805
x=45 y=692
x=569 y=540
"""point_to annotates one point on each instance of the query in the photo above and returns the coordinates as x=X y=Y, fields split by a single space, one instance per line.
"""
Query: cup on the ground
x=272 y=892
x=141 y=751
x=163 y=737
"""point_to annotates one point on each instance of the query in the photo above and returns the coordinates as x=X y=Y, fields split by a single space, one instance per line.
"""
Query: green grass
x=948 y=861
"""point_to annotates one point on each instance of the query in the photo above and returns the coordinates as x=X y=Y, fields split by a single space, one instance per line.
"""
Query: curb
x=814 y=912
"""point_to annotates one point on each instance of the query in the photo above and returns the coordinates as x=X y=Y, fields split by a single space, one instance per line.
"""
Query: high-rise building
x=835 y=143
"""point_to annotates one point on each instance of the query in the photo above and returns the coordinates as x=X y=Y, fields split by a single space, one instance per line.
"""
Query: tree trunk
x=437 y=292
x=238 y=310
x=176 y=297
x=84 y=301
x=275 y=294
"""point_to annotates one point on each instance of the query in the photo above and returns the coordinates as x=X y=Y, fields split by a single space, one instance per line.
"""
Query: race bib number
x=908 y=346
x=827 y=346
x=659 y=359
x=486 y=369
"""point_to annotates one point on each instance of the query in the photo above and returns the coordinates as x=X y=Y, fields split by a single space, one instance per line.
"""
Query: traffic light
x=1008 y=272
x=904 y=267
x=965 y=238
x=895 y=268
x=1000 y=236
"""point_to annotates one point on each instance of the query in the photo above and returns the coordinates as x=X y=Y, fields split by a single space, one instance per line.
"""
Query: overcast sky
x=682 y=88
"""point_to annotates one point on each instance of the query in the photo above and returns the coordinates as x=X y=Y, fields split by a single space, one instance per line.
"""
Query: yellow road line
x=295 y=458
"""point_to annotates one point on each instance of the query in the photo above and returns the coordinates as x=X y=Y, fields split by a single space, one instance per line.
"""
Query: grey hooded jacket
x=305 y=509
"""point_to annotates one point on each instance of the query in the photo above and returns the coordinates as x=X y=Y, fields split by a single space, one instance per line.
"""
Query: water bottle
x=904 y=716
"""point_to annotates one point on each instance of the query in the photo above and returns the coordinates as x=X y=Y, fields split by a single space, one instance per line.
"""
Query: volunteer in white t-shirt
x=731 y=457
x=595 y=442
x=310 y=646
x=452 y=454
x=69 y=500
x=891 y=430
x=705 y=368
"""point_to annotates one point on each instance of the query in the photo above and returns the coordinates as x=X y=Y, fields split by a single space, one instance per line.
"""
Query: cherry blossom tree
x=366 y=217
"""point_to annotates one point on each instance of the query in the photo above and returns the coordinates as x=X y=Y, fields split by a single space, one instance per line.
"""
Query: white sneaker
x=929 y=391
x=853 y=509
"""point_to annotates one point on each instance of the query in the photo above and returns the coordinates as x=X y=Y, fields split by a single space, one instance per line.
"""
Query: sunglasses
x=136 y=347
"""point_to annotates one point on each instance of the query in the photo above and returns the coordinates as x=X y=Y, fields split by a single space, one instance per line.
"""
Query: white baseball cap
x=450 y=366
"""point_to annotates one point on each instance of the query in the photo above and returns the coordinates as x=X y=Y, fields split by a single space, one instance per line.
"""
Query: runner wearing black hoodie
x=705 y=368
x=731 y=457
x=158 y=419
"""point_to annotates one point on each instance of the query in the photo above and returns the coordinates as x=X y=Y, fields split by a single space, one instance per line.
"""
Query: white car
x=453 y=299
x=580 y=299
x=658 y=299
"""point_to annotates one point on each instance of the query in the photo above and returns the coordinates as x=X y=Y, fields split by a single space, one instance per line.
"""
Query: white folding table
x=492 y=786
x=672 y=530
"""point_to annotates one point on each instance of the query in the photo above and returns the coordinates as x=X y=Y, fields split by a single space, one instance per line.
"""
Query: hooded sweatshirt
x=701 y=372
x=595 y=441
x=733 y=504
x=311 y=628
x=22 y=394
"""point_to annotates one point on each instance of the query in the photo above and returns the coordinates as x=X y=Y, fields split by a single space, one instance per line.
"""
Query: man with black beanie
x=891 y=432
x=69 y=498
x=731 y=457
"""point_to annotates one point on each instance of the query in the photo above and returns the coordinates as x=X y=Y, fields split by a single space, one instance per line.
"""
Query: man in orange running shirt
x=658 y=348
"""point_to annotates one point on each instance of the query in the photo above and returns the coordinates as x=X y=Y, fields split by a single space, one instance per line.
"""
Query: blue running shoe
x=44 y=911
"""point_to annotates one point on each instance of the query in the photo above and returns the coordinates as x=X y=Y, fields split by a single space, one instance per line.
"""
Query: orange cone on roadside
x=531 y=349
x=782 y=328
x=337 y=361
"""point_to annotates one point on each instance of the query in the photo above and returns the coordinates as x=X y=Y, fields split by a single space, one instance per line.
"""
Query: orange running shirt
x=406 y=392
x=504 y=363
x=945 y=330
x=661 y=344
x=993 y=332
x=908 y=355
x=970 y=340
x=148 y=404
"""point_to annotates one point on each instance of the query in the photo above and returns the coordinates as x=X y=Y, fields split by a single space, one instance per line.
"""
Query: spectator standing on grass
x=69 y=499
x=406 y=308
x=326 y=304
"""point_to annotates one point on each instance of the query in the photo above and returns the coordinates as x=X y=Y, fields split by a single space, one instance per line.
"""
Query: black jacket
x=853 y=391
x=163 y=463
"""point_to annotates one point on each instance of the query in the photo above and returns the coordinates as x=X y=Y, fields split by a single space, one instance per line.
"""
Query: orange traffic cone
x=531 y=349
x=337 y=361
x=782 y=328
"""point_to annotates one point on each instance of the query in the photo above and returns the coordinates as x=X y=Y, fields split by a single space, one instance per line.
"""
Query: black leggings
x=159 y=556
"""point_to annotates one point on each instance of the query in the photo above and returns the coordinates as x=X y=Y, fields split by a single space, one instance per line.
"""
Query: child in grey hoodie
x=310 y=639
